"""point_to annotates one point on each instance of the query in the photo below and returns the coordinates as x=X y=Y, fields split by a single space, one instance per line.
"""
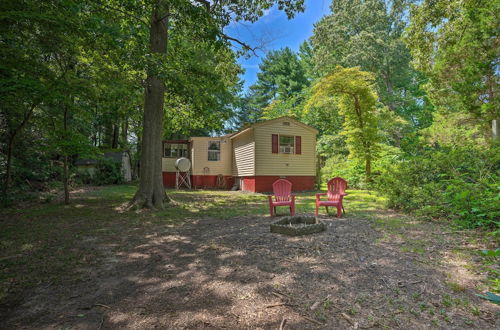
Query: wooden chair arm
x=293 y=198
x=270 y=197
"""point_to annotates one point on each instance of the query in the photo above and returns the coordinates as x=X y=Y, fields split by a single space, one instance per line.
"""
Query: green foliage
x=454 y=130
x=367 y=33
x=352 y=91
x=491 y=253
x=459 y=184
x=107 y=171
x=353 y=170
x=455 y=43
x=281 y=75
x=280 y=85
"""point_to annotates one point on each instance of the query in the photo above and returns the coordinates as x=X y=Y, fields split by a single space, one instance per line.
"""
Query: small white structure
x=182 y=174
x=122 y=157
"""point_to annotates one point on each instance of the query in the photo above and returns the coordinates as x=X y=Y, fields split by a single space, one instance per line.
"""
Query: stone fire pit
x=297 y=225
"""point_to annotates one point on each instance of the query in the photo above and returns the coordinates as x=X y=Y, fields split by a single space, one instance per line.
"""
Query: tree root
x=141 y=201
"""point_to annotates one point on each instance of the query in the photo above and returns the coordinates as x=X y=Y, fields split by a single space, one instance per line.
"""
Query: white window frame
x=178 y=150
x=291 y=148
x=213 y=151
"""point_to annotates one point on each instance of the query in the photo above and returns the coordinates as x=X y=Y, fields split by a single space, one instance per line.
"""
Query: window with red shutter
x=275 y=143
x=298 y=145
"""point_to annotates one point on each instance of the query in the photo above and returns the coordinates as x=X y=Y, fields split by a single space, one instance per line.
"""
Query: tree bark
x=108 y=134
x=318 y=171
x=114 y=143
x=151 y=193
x=65 y=161
x=367 y=144
x=124 y=142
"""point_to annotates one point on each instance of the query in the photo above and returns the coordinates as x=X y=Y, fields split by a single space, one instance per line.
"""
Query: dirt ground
x=235 y=274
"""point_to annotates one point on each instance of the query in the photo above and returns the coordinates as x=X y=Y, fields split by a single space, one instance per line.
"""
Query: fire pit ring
x=297 y=226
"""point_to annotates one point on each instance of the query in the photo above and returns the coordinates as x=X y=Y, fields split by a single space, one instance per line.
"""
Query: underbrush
x=461 y=184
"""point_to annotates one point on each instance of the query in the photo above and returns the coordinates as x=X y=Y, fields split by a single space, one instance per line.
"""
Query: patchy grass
x=40 y=244
x=53 y=244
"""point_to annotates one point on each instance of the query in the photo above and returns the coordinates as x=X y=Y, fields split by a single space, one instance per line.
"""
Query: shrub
x=353 y=170
x=107 y=171
x=461 y=184
x=348 y=169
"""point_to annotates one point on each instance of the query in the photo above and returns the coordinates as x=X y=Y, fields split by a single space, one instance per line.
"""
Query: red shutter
x=298 y=145
x=275 y=143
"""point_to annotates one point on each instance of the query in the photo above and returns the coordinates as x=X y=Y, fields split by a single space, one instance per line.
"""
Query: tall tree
x=210 y=19
x=37 y=39
x=367 y=33
x=151 y=192
x=455 y=42
x=281 y=76
x=25 y=73
x=354 y=93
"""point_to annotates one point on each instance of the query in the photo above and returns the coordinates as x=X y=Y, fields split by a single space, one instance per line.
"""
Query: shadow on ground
x=233 y=273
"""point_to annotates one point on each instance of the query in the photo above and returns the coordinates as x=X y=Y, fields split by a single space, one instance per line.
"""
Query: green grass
x=188 y=204
x=49 y=243
x=46 y=242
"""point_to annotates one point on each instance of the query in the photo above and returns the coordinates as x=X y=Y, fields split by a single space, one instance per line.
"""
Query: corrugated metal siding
x=199 y=156
x=244 y=155
x=268 y=163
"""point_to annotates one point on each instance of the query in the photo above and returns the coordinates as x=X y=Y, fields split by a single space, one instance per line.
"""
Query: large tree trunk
x=151 y=193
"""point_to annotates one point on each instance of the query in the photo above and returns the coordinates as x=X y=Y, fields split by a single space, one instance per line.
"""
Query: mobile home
x=251 y=159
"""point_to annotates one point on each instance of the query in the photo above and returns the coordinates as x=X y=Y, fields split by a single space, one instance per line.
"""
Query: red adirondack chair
x=282 y=193
x=336 y=192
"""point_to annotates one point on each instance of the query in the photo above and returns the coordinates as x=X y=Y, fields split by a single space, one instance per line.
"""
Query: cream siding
x=168 y=164
x=268 y=163
x=199 y=156
x=244 y=155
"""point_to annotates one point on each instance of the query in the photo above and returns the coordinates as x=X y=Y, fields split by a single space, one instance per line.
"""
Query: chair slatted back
x=336 y=187
x=282 y=190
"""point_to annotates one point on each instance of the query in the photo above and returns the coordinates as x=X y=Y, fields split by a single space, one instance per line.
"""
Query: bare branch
x=163 y=17
x=241 y=43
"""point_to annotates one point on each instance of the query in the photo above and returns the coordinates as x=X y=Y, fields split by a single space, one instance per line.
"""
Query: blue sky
x=275 y=31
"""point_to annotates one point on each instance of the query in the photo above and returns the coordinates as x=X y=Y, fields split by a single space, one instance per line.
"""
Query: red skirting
x=198 y=181
x=264 y=183
x=210 y=181
x=169 y=179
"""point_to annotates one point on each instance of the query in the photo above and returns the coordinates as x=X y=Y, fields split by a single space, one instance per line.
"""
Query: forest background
x=404 y=93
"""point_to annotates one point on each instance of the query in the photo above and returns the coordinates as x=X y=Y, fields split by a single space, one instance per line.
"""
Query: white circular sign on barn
x=183 y=164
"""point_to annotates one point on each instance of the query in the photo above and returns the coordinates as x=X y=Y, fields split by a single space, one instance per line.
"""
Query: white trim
x=292 y=151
